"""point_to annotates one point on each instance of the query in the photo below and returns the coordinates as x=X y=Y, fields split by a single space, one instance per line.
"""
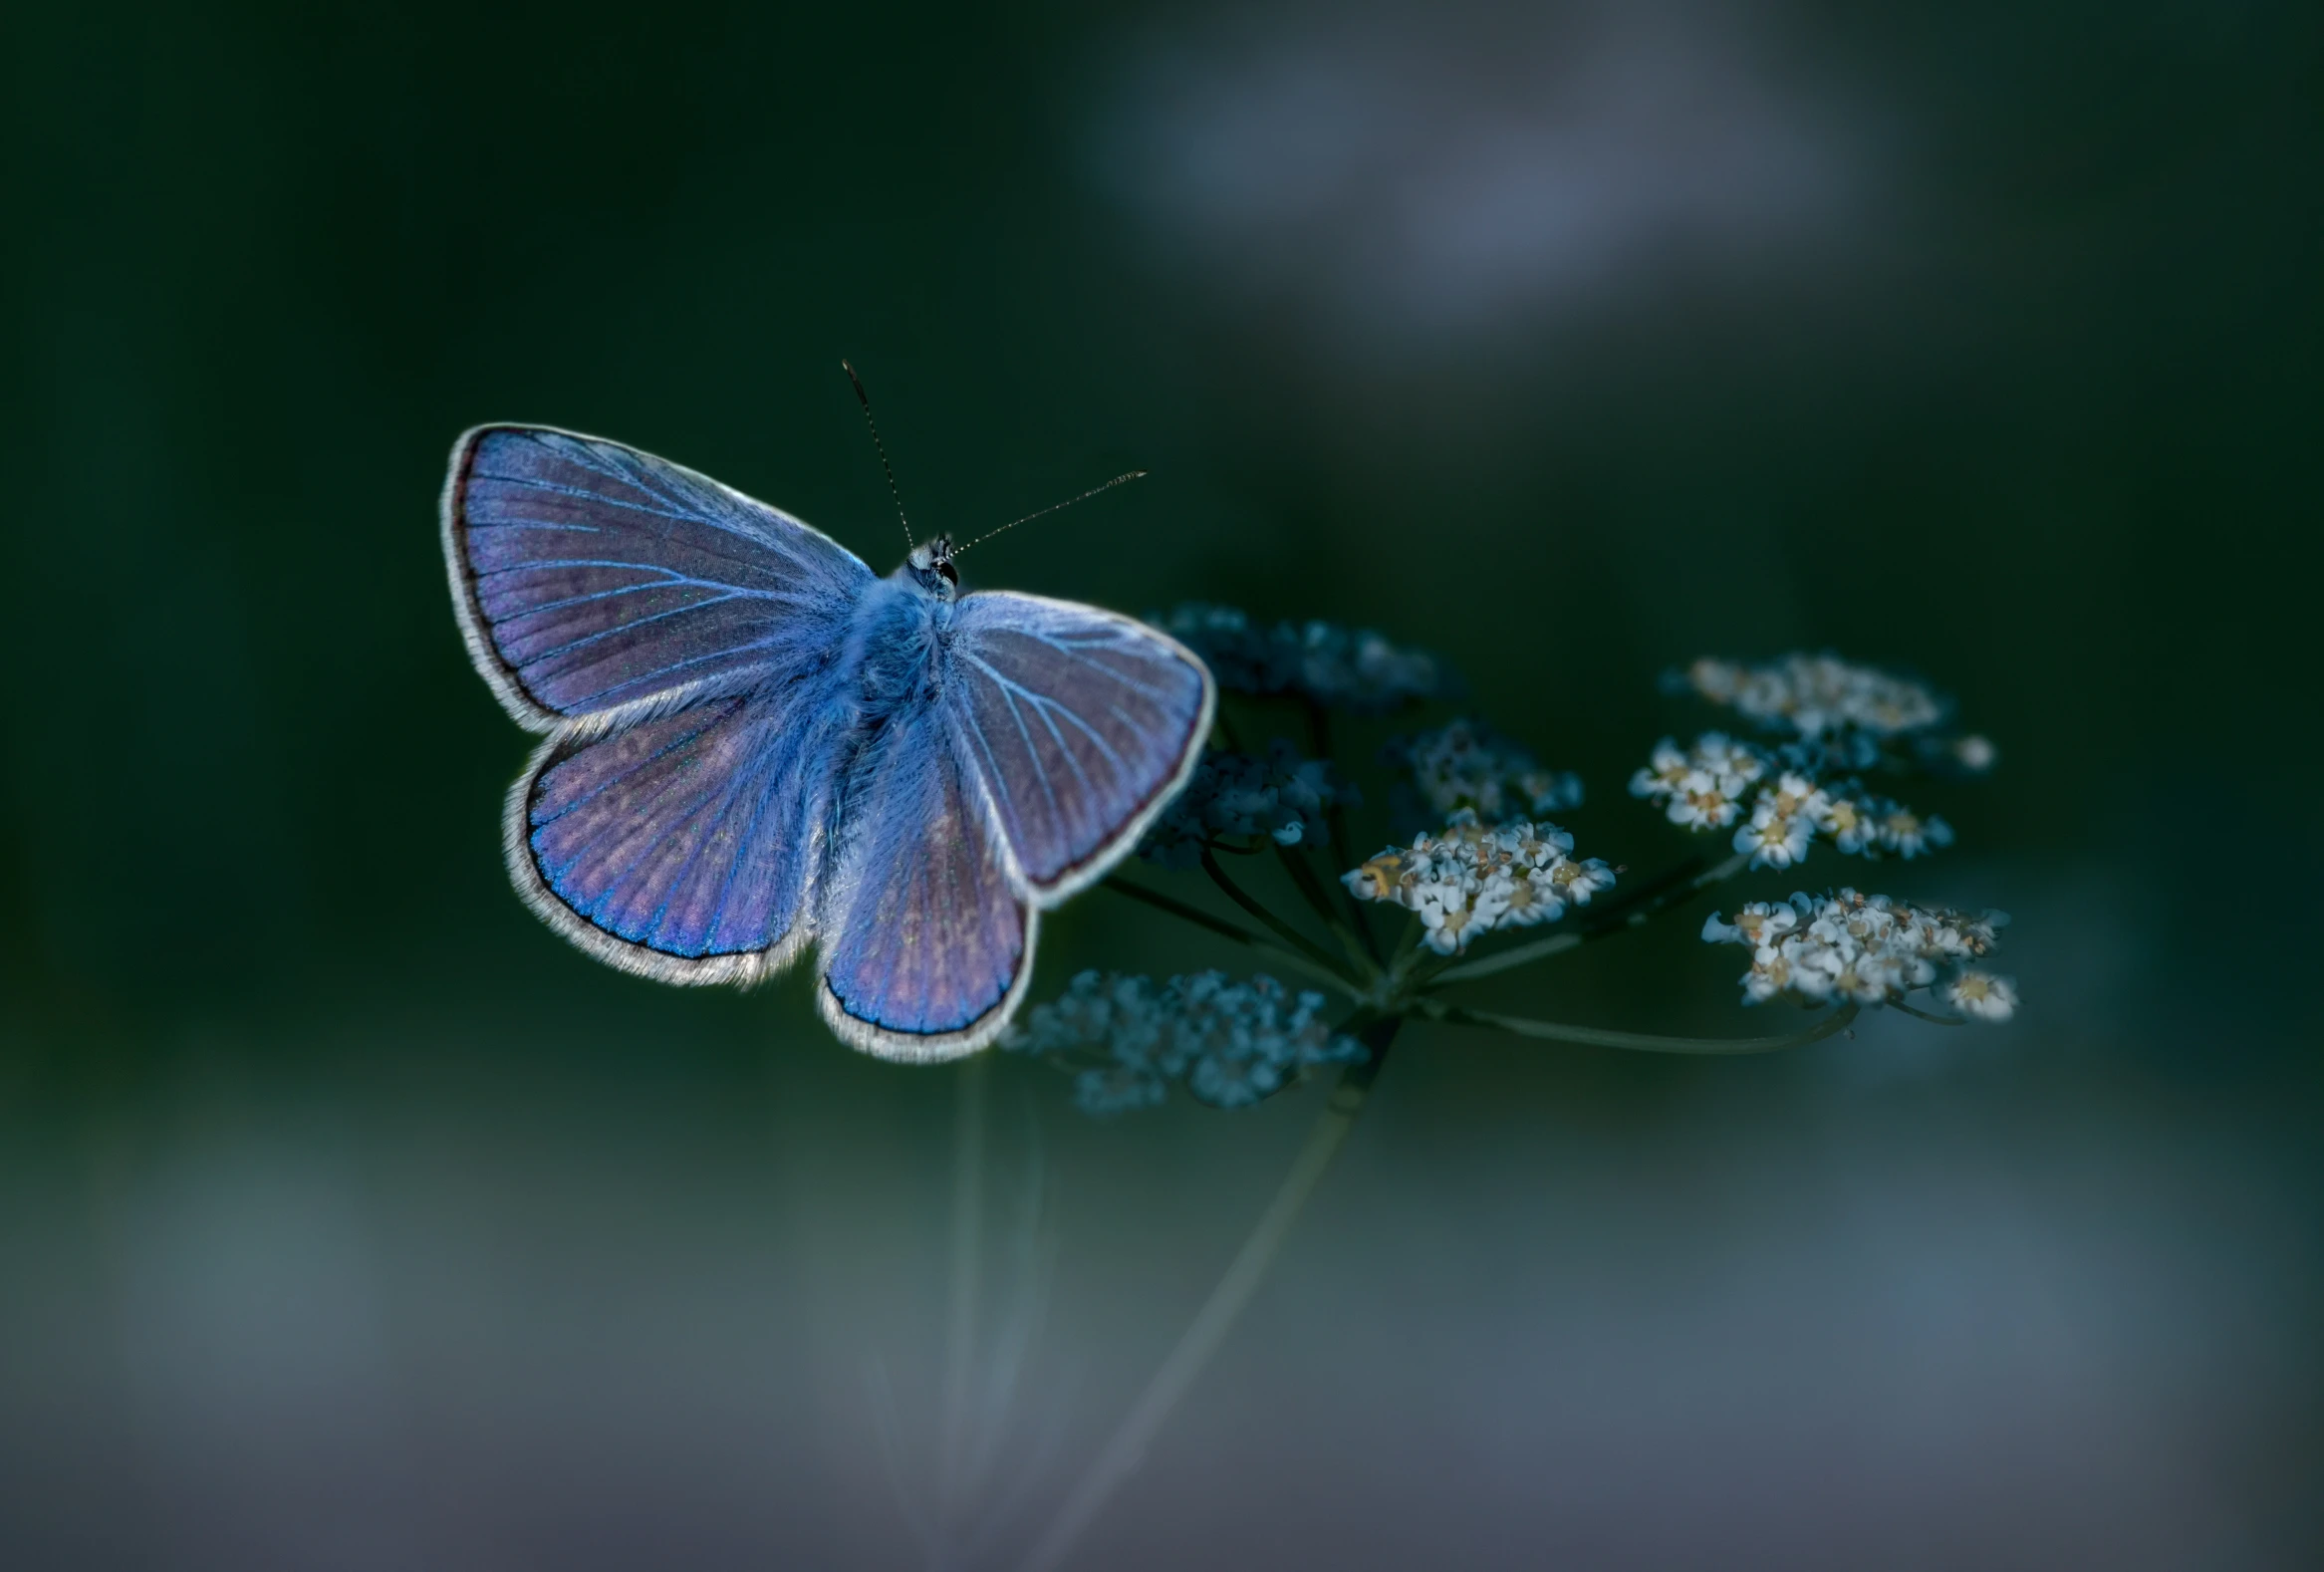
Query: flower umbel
x=1870 y=949
x=1496 y=863
x=1471 y=880
x=1817 y=695
x=1784 y=818
x=1702 y=787
x=1229 y=1043
x=1490 y=860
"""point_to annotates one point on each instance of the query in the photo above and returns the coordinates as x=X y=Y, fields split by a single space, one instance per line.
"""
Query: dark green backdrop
x=349 y=1219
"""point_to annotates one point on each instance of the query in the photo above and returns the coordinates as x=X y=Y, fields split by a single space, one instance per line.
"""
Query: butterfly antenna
x=1135 y=474
x=882 y=448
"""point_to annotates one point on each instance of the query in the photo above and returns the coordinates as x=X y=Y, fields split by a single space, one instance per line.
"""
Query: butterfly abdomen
x=889 y=672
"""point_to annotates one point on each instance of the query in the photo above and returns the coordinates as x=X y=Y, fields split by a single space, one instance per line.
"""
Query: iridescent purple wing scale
x=1081 y=723
x=589 y=576
x=681 y=845
x=926 y=946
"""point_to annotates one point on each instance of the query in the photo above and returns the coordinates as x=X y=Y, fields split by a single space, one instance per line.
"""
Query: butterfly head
x=931 y=565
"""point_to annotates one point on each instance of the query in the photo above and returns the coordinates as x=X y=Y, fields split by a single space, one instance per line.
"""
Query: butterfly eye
x=944 y=567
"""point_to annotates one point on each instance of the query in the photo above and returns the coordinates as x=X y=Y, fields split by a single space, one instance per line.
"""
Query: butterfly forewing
x=1081 y=723
x=591 y=576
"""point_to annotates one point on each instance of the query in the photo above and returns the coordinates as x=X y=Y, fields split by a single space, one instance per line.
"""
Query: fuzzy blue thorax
x=896 y=640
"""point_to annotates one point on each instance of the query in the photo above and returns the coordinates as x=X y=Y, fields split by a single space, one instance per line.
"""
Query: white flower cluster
x=1700 y=787
x=1704 y=788
x=1870 y=949
x=1471 y=880
x=1793 y=810
x=1818 y=694
x=1230 y=1043
x=1283 y=796
x=1468 y=764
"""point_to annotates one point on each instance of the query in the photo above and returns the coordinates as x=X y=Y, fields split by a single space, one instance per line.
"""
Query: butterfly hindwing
x=589 y=576
x=682 y=845
x=1082 y=724
x=927 y=945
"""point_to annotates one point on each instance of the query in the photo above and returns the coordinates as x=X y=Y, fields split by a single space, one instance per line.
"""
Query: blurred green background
x=348 y=1218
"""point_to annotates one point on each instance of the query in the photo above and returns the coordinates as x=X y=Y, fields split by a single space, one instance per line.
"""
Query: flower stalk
x=1641 y=1042
x=1125 y=1450
x=1485 y=859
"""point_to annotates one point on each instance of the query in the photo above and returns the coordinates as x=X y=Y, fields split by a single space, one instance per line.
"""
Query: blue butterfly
x=755 y=743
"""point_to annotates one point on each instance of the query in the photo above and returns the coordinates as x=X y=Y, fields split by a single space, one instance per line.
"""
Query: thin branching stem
x=1657 y=896
x=969 y=1132
x=1408 y=948
x=1522 y=955
x=1226 y=930
x=1184 y=912
x=1302 y=874
x=1319 y=734
x=1641 y=1042
x=1125 y=1450
x=1304 y=880
x=1283 y=930
x=1617 y=905
x=1336 y=820
x=1662 y=894
x=1925 y=1015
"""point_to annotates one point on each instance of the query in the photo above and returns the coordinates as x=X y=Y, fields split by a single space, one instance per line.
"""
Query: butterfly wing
x=1054 y=735
x=590 y=577
x=680 y=640
x=927 y=944
x=1081 y=723
x=682 y=845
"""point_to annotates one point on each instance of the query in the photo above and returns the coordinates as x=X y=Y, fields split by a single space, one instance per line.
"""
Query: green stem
x=1651 y=901
x=1407 y=948
x=1523 y=954
x=1225 y=929
x=1924 y=1015
x=1662 y=894
x=1319 y=736
x=1336 y=820
x=1641 y=1042
x=1283 y=930
x=1628 y=895
x=1179 y=909
x=968 y=1129
x=1125 y=1450
x=1304 y=880
x=1303 y=877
